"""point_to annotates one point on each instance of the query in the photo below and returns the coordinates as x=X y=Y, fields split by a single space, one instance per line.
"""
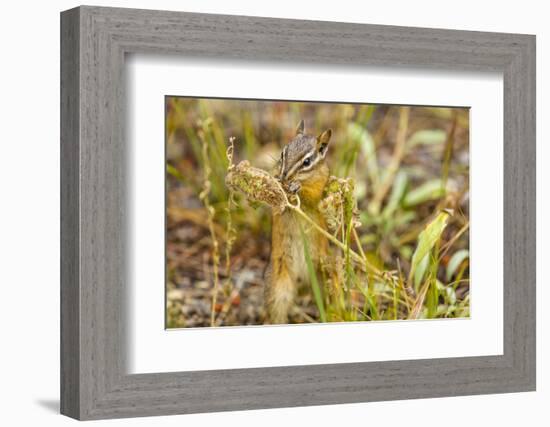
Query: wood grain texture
x=95 y=273
x=70 y=292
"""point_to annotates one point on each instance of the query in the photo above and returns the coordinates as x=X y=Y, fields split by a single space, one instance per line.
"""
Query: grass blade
x=427 y=240
x=420 y=271
x=430 y=190
x=396 y=195
x=427 y=137
x=368 y=148
x=313 y=278
x=456 y=261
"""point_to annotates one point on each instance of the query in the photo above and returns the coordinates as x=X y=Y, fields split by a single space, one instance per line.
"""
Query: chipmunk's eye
x=307 y=162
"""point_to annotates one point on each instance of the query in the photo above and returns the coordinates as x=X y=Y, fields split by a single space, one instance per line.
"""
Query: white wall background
x=29 y=212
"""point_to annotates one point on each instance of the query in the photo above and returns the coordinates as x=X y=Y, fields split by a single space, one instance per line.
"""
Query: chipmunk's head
x=303 y=158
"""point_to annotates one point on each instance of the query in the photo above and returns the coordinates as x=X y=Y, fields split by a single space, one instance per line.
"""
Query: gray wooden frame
x=94 y=41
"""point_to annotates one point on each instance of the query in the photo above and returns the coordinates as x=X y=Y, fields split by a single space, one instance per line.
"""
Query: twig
x=211 y=212
x=448 y=151
x=393 y=167
x=229 y=231
x=419 y=302
x=451 y=242
x=407 y=291
x=358 y=242
x=226 y=305
x=306 y=316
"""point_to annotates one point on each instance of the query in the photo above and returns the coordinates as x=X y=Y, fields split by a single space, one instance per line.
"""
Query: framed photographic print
x=262 y=213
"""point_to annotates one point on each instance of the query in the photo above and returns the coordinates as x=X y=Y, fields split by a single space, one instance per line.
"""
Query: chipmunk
x=302 y=171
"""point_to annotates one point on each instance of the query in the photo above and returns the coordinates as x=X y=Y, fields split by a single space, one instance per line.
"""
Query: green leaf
x=397 y=193
x=171 y=170
x=420 y=271
x=427 y=137
x=456 y=261
x=427 y=239
x=405 y=251
x=448 y=292
x=313 y=279
x=368 y=148
x=430 y=190
x=404 y=218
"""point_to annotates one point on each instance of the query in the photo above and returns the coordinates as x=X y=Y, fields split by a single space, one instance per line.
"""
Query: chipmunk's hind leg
x=279 y=295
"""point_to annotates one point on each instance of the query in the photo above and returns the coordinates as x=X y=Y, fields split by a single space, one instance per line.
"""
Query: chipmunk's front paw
x=294 y=187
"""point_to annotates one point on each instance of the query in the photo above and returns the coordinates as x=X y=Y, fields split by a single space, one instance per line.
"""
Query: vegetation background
x=410 y=168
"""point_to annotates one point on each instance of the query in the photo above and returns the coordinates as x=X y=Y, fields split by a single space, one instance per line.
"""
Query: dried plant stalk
x=230 y=232
x=204 y=197
x=257 y=185
x=339 y=203
x=395 y=161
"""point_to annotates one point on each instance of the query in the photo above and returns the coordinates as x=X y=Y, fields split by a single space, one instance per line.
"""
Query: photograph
x=296 y=212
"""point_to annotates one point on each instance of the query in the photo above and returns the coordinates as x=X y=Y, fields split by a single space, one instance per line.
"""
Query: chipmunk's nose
x=281 y=176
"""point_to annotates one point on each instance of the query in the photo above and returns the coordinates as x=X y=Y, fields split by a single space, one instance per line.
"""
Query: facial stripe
x=298 y=164
x=283 y=161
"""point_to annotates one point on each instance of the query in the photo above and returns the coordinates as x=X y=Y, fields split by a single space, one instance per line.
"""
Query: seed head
x=257 y=185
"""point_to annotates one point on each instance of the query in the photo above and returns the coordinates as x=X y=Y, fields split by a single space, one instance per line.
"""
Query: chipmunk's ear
x=322 y=142
x=300 y=128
